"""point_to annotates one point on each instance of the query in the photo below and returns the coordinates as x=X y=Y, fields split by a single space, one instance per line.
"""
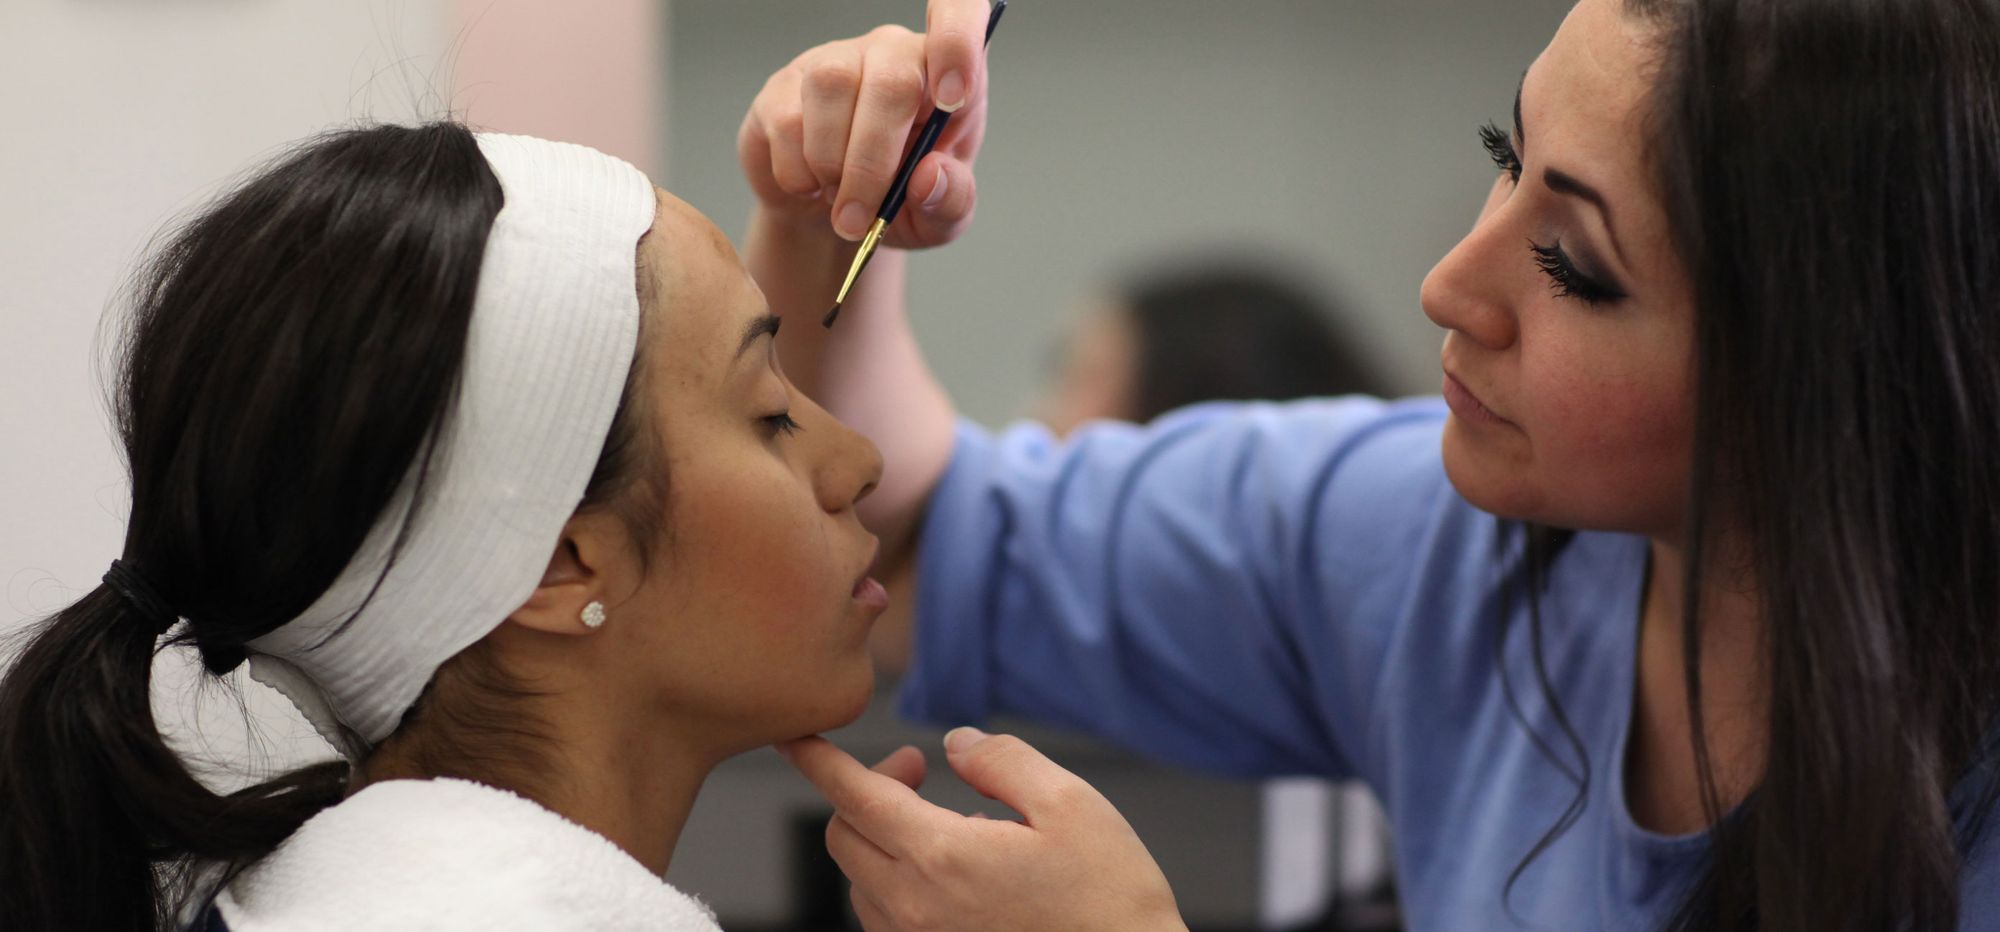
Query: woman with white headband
x=475 y=447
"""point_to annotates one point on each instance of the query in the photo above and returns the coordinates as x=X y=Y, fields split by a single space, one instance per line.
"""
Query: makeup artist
x=1679 y=609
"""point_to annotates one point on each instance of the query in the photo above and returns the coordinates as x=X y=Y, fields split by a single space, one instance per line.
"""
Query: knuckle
x=951 y=37
x=868 y=809
x=998 y=748
x=901 y=86
x=1070 y=795
x=831 y=77
x=868 y=168
x=825 y=165
x=929 y=852
x=914 y=913
x=889 y=32
x=999 y=744
x=946 y=862
x=859 y=902
x=789 y=125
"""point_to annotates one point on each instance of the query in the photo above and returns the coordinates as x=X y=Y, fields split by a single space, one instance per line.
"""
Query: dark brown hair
x=292 y=354
x=1831 y=171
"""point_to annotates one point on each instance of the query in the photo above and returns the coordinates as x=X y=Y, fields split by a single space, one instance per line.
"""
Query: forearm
x=867 y=370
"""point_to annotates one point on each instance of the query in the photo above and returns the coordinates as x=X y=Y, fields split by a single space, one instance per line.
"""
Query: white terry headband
x=554 y=327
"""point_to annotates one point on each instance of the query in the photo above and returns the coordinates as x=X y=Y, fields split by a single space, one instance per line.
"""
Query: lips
x=867 y=590
x=1467 y=405
x=870 y=594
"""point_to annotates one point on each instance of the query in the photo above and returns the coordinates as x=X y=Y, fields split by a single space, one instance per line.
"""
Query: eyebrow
x=766 y=325
x=1561 y=181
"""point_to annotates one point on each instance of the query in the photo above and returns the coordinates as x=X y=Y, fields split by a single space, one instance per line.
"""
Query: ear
x=579 y=573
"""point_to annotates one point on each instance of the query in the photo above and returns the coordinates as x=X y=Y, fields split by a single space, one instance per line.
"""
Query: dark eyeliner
x=1568 y=280
x=1501 y=149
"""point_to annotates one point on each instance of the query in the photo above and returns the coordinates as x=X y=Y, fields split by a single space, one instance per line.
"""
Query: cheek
x=756 y=625
x=752 y=552
x=1612 y=442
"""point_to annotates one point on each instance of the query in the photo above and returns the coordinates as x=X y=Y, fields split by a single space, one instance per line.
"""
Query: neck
x=629 y=780
x=1663 y=776
x=633 y=785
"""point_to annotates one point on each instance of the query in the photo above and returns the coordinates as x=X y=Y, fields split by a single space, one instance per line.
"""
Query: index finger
x=880 y=807
x=954 y=50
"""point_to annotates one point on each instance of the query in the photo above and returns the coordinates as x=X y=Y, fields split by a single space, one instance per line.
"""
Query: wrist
x=798 y=225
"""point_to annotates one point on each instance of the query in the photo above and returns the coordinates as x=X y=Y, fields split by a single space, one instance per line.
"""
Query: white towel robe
x=450 y=855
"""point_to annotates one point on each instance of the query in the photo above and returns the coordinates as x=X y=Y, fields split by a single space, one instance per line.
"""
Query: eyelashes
x=1567 y=280
x=782 y=423
x=1501 y=149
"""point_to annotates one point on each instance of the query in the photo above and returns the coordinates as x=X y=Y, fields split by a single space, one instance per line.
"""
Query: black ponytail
x=293 y=351
x=96 y=800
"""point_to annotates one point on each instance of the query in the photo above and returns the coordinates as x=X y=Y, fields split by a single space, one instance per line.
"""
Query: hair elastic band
x=127 y=582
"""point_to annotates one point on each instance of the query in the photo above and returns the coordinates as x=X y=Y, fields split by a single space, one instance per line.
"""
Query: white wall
x=122 y=115
x=119 y=116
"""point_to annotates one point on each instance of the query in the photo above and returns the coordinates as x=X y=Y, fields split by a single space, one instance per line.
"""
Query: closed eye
x=781 y=423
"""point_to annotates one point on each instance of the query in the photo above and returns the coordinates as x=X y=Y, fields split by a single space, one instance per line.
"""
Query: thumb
x=949 y=193
x=942 y=198
x=1006 y=769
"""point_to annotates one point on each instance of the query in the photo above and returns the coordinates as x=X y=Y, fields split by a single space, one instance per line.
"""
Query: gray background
x=1334 y=136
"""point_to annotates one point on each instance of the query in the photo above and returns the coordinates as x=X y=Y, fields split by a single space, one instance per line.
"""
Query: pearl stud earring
x=593 y=615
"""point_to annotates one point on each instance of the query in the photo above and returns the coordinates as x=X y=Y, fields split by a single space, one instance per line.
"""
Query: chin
x=852 y=701
x=842 y=699
x=1489 y=486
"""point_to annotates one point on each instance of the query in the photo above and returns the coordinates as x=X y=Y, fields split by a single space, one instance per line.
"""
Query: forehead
x=700 y=294
x=1586 y=106
x=1589 y=93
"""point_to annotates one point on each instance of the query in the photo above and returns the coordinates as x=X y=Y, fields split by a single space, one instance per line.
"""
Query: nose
x=1469 y=291
x=848 y=468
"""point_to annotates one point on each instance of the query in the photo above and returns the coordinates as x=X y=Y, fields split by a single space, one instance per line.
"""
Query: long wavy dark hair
x=1831 y=171
x=293 y=352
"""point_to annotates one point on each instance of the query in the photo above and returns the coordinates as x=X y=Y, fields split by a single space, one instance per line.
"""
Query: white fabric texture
x=553 y=330
x=446 y=855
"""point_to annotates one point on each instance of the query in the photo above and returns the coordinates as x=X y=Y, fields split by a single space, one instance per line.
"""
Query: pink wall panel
x=586 y=72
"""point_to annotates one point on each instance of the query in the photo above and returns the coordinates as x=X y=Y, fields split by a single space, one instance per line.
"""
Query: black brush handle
x=926 y=140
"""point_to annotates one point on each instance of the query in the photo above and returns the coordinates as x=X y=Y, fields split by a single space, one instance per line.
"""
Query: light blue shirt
x=1273 y=589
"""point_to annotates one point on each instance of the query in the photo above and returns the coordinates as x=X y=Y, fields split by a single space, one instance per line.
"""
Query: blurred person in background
x=1225 y=330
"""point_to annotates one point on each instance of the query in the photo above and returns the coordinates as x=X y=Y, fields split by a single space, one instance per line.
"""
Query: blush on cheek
x=1626 y=458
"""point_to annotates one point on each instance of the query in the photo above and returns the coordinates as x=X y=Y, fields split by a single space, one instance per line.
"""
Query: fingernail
x=852 y=220
x=961 y=739
x=784 y=749
x=951 y=92
x=937 y=190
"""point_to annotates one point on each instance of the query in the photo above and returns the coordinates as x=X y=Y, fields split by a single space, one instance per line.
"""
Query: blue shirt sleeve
x=1215 y=589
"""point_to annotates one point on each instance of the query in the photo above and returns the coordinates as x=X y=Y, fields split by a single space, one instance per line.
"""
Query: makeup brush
x=926 y=140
